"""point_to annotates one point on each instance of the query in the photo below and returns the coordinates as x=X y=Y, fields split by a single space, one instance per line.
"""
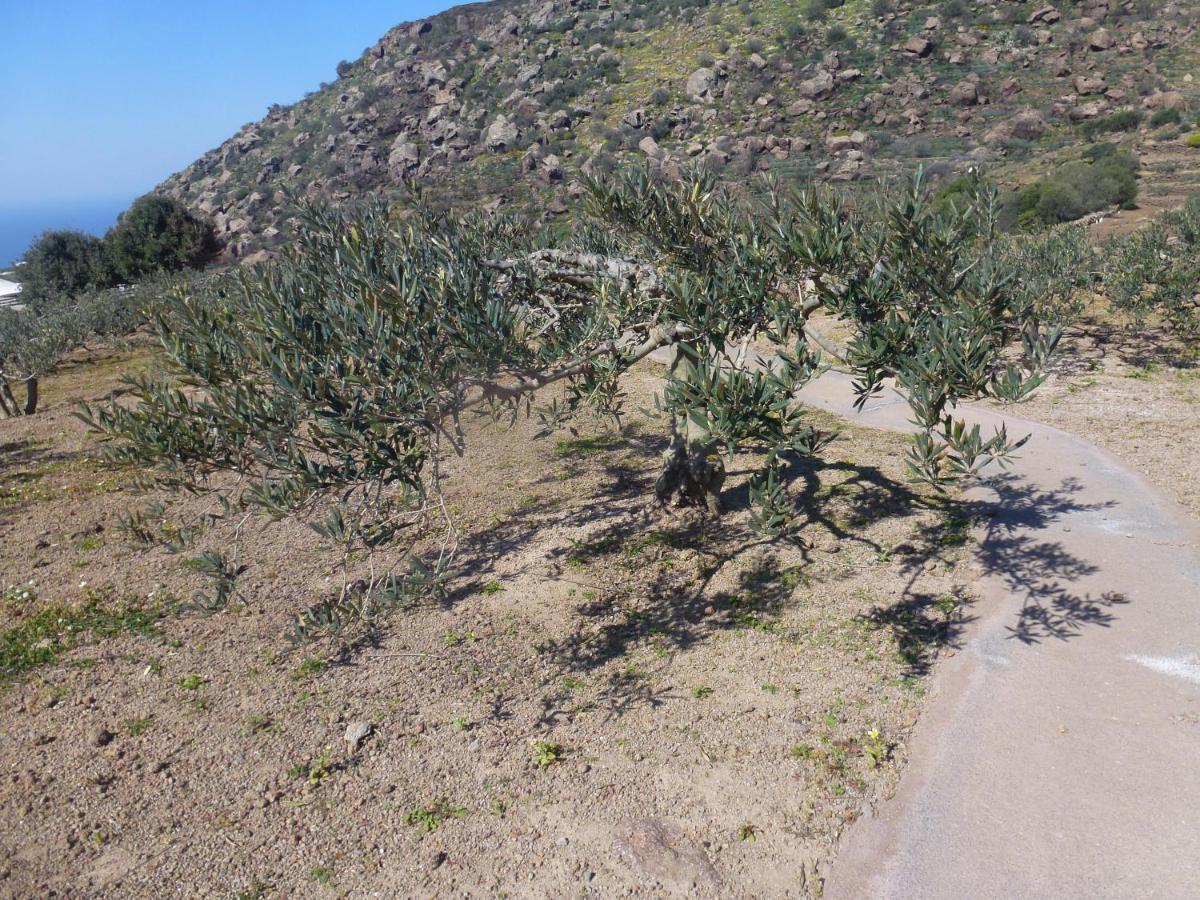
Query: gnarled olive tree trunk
x=692 y=470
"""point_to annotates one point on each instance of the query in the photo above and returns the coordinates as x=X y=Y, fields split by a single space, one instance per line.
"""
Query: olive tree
x=332 y=381
x=34 y=339
x=1156 y=270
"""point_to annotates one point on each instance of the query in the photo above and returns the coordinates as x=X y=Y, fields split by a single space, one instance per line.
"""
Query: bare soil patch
x=1133 y=391
x=609 y=702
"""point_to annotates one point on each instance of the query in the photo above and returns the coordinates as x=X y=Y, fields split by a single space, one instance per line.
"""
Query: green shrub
x=159 y=234
x=1105 y=176
x=1193 y=140
x=1165 y=117
x=63 y=262
x=1125 y=120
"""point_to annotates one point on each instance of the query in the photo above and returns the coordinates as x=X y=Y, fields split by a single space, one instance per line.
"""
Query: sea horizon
x=20 y=225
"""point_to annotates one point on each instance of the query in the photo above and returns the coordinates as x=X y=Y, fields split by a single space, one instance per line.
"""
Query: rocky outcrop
x=560 y=86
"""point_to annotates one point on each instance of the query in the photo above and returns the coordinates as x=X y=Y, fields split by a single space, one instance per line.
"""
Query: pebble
x=102 y=737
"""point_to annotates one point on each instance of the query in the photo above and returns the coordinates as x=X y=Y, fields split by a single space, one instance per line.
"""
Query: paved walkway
x=1059 y=754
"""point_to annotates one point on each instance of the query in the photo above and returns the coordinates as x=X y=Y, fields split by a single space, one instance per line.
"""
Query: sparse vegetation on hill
x=511 y=103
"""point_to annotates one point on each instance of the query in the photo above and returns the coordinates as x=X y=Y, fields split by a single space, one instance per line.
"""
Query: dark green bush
x=1104 y=177
x=1125 y=120
x=1165 y=117
x=63 y=262
x=159 y=234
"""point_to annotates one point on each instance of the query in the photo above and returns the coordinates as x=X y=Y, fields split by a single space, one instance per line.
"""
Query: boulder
x=552 y=168
x=1089 y=110
x=501 y=135
x=1026 y=125
x=1047 y=14
x=819 y=86
x=405 y=157
x=701 y=85
x=649 y=146
x=1089 y=84
x=1099 y=40
x=965 y=93
x=433 y=74
x=918 y=46
x=842 y=143
x=635 y=118
x=1165 y=100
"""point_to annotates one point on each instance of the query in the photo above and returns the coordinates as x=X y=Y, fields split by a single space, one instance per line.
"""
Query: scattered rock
x=701 y=85
x=102 y=737
x=660 y=849
x=356 y=733
x=918 y=46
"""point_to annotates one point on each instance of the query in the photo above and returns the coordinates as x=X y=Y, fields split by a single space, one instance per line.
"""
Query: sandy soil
x=715 y=709
x=1135 y=393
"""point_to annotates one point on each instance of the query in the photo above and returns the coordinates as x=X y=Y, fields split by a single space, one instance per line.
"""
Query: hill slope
x=508 y=101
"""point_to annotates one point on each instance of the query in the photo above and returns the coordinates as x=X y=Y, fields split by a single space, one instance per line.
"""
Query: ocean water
x=19 y=226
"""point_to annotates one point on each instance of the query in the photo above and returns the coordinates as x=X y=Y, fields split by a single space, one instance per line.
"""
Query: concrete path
x=1059 y=754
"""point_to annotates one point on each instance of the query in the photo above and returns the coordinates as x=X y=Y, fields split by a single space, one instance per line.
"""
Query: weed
x=493 y=587
x=585 y=446
x=427 y=818
x=771 y=688
x=260 y=725
x=876 y=748
x=461 y=723
x=546 y=753
x=571 y=683
x=193 y=682
x=256 y=891
x=311 y=666
x=134 y=727
x=747 y=833
x=41 y=639
x=89 y=543
x=322 y=875
x=315 y=771
x=701 y=693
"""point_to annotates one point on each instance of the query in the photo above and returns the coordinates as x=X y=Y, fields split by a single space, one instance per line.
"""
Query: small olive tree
x=1156 y=270
x=331 y=381
x=34 y=339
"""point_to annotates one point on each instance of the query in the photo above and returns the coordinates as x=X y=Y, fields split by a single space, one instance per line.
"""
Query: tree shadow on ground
x=1092 y=341
x=1040 y=571
x=666 y=609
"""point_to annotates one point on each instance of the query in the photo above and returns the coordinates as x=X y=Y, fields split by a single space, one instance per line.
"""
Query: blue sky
x=99 y=101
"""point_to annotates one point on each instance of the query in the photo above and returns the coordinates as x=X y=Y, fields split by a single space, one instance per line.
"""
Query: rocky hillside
x=506 y=102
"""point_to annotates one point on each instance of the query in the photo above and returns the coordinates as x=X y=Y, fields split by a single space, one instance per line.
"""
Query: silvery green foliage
x=934 y=304
x=327 y=385
x=1056 y=269
x=1156 y=270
